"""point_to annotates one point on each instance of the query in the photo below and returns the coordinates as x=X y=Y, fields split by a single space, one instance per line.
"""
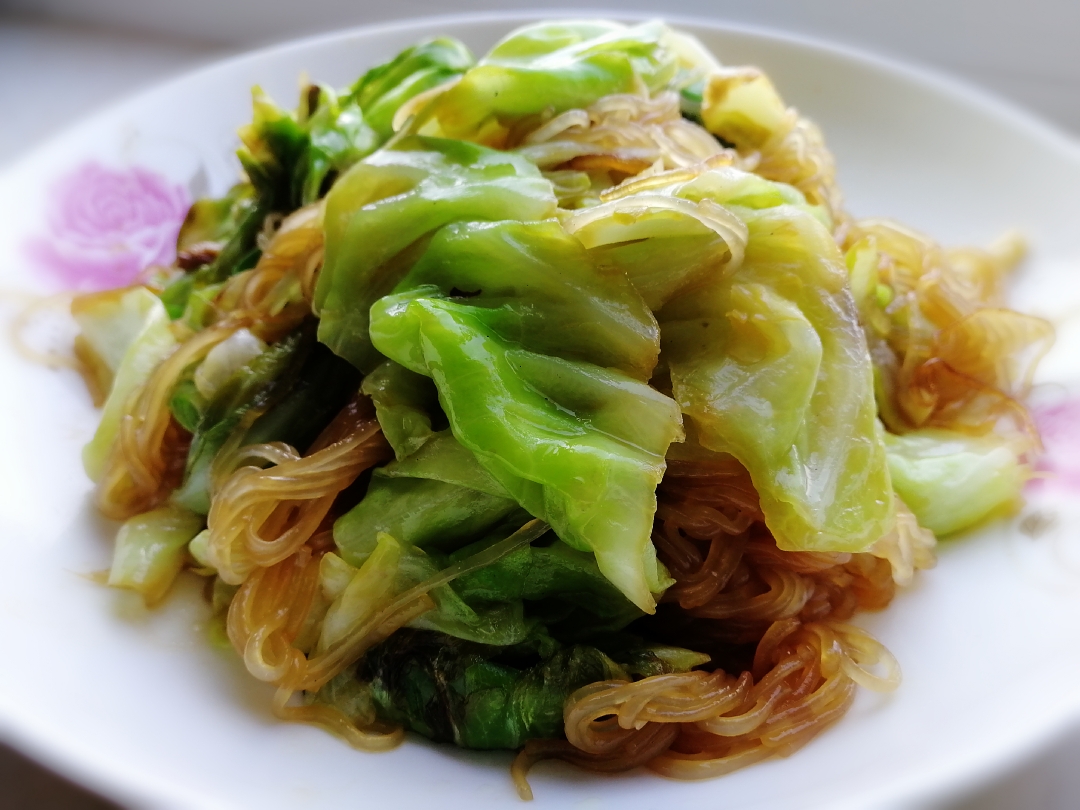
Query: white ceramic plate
x=139 y=706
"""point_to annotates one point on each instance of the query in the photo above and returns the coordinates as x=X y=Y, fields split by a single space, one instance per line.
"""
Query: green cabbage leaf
x=381 y=212
x=485 y=697
x=550 y=67
x=762 y=342
x=292 y=157
x=129 y=330
x=439 y=498
x=953 y=481
x=384 y=89
x=404 y=403
x=539 y=360
x=151 y=549
x=457 y=691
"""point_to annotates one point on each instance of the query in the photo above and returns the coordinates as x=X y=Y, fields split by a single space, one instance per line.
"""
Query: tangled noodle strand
x=949 y=353
x=148 y=457
x=268 y=617
x=258 y=517
x=620 y=136
x=735 y=586
x=276 y=294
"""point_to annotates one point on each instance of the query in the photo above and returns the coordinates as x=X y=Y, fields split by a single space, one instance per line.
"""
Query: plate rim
x=926 y=76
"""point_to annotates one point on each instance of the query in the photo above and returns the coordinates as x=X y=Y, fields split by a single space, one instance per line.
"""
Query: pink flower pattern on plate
x=105 y=226
x=1059 y=426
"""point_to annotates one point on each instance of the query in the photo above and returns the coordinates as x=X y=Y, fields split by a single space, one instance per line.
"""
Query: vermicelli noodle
x=274 y=606
x=723 y=722
x=261 y=516
x=276 y=294
x=742 y=590
x=619 y=136
x=955 y=358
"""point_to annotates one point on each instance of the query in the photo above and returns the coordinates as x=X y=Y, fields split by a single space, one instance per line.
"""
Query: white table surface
x=55 y=69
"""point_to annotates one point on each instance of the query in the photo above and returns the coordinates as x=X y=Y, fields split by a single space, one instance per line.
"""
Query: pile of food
x=554 y=402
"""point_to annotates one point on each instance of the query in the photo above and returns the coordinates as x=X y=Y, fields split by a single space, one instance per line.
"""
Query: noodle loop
x=734 y=585
x=259 y=517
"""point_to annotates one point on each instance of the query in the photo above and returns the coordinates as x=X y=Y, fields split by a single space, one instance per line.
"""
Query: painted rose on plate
x=1059 y=426
x=105 y=225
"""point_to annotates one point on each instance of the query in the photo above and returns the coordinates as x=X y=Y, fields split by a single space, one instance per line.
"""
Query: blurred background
x=61 y=59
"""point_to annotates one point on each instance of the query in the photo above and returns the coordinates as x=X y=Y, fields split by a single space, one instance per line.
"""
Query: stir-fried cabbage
x=440 y=497
x=565 y=367
x=404 y=402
